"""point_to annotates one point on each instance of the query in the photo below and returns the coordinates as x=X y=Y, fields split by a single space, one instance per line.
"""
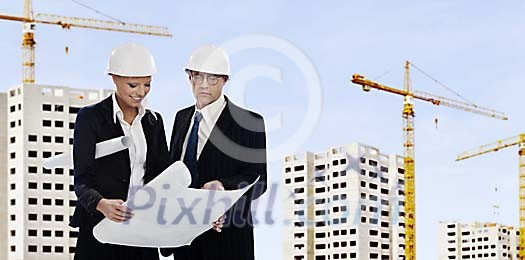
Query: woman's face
x=131 y=91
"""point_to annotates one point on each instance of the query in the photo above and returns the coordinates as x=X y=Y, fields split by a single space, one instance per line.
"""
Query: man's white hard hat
x=209 y=59
x=131 y=60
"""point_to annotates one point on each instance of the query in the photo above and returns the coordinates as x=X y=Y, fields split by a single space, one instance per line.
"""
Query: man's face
x=206 y=87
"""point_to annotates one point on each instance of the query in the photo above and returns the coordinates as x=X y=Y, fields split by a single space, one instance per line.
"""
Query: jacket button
x=124 y=180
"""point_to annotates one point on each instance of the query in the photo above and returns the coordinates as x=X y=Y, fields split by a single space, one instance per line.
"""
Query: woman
x=102 y=185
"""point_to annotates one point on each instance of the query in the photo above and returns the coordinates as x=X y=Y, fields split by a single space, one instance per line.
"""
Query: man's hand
x=114 y=210
x=217 y=225
x=216 y=185
x=213 y=185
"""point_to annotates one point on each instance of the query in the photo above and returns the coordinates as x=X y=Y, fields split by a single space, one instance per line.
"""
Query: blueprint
x=167 y=213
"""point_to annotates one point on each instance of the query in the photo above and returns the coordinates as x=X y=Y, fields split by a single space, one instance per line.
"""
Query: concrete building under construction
x=345 y=203
x=477 y=241
x=36 y=122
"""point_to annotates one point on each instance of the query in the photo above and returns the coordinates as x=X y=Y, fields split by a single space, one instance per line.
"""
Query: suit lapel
x=184 y=125
x=115 y=129
x=220 y=130
x=147 y=127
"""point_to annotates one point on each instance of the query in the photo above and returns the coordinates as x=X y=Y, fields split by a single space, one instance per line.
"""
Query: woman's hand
x=114 y=210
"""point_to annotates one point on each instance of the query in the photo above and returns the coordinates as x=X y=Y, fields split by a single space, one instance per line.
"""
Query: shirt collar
x=117 y=111
x=211 y=112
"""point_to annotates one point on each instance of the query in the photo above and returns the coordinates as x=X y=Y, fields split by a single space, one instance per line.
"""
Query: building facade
x=489 y=241
x=40 y=121
x=346 y=203
x=3 y=176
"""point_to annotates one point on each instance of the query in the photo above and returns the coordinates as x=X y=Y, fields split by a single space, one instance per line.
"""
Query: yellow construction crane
x=28 y=37
x=408 y=129
x=494 y=147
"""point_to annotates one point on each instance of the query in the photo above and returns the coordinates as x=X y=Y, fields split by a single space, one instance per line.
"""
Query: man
x=224 y=147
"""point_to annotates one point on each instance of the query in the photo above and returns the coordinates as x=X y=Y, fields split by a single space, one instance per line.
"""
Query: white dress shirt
x=210 y=115
x=138 y=149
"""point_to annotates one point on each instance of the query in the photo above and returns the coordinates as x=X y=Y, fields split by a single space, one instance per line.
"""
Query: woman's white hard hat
x=131 y=60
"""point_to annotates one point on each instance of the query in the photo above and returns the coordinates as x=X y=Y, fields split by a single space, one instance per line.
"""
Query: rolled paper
x=61 y=160
x=112 y=146
x=101 y=149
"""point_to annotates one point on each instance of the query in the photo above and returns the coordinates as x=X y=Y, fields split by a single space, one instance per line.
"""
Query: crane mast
x=408 y=135
x=409 y=165
x=28 y=32
x=518 y=140
x=28 y=44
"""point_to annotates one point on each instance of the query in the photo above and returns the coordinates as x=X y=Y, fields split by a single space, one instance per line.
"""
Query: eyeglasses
x=211 y=79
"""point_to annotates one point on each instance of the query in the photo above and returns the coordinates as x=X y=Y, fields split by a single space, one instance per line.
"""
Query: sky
x=292 y=61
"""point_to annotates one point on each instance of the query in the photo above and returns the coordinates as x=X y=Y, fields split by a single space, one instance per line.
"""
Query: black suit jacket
x=234 y=154
x=108 y=177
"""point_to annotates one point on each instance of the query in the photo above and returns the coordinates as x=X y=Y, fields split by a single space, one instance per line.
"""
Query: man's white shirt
x=210 y=115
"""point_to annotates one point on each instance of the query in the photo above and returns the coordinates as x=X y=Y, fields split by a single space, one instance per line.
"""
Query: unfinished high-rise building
x=344 y=203
x=490 y=241
x=37 y=122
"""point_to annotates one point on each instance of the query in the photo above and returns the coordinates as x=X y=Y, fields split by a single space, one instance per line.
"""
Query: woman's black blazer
x=108 y=177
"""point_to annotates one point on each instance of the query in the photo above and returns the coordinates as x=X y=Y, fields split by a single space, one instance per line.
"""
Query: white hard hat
x=209 y=59
x=131 y=60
